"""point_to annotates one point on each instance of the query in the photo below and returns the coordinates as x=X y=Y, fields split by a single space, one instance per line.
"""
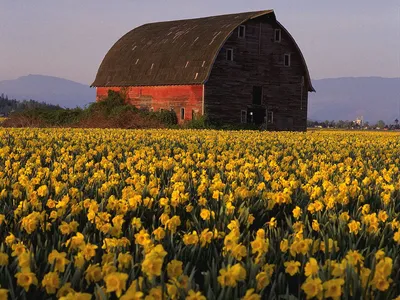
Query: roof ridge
x=256 y=12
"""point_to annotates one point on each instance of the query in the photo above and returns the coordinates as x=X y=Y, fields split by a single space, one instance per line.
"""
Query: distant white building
x=359 y=121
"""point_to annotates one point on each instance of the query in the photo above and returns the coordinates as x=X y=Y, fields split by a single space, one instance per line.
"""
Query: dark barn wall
x=259 y=61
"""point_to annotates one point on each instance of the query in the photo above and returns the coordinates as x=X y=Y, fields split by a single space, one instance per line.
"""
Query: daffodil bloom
x=153 y=261
x=10 y=239
x=174 y=268
x=64 y=290
x=396 y=237
x=312 y=287
x=24 y=261
x=132 y=295
x=116 y=282
x=3 y=294
x=124 y=260
x=231 y=275
x=3 y=259
x=251 y=295
x=26 y=279
x=311 y=267
x=272 y=223
x=77 y=296
x=192 y=295
x=263 y=280
x=108 y=269
x=51 y=282
x=296 y=212
x=206 y=237
x=93 y=273
x=333 y=288
x=292 y=267
x=58 y=260
x=315 y=225
x=205 y=214
x=353 y=257
x=159 y=233
x=191 y=238
x=88 y=251
x=354 y=227
x=284 y=245
x=76 y=241
x=18 y=249
x=238 y=251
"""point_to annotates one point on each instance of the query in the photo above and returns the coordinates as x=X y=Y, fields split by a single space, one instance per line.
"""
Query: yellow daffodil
x=116 y=282
x=292 y=267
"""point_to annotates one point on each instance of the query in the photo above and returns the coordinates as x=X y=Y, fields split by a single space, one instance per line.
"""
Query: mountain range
x=52 y=90
x=345 y=98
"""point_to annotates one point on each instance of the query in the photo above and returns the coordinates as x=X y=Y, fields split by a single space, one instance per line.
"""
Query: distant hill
x=345 y=98
x=52 y=90
x=374 y=98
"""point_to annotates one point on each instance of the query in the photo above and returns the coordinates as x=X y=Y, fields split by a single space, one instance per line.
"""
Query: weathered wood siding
x=189 y=97
x=259 y=61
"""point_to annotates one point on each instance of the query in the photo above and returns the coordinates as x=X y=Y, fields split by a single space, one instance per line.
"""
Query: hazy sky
x=69 y=38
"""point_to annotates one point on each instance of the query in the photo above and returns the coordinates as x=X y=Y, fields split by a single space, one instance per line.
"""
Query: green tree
x=380 y=124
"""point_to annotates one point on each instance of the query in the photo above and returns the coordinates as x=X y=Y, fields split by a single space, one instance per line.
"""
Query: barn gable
x=259 y=78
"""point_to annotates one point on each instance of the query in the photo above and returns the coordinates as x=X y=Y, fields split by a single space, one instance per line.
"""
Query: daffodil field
x=186 y=214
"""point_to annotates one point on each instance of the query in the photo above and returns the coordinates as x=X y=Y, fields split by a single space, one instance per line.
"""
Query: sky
x=69 y=38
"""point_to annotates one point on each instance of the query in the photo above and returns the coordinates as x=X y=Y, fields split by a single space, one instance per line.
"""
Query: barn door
x=256 y=115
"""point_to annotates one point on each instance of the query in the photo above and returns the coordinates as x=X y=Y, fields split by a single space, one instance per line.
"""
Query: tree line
x=353 y=125
x=8 y=106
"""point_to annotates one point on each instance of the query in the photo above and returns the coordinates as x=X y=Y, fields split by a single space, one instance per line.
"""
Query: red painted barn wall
x=189 y=97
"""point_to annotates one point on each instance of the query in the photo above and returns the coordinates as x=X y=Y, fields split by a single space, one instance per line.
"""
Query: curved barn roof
x=169 y=53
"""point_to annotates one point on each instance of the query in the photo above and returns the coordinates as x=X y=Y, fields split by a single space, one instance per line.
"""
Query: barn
x=236 y=68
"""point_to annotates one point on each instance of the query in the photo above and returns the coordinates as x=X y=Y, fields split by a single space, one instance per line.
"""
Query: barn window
x=286 y=60
x=270 y=117
x=242 y=31
x=171 y=108
x=289 y=123
x=257 y=95
x=243 y=116
x=182 y=113
x=278 y=35
x=229 y=54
